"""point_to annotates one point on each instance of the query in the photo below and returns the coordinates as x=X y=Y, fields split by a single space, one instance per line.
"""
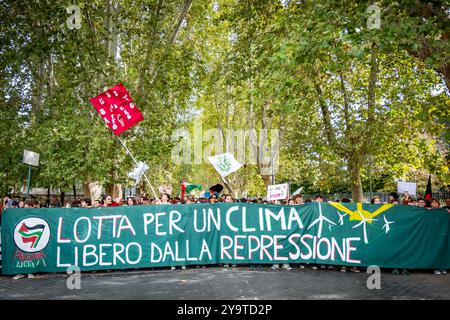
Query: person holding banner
x=318 y=198
x=375 y=200
x=165 y=198
x=434 y=203
x=447 y=204
x=298 y=199
x=86 y=203
x=108 y=202
x=393 y=198
x=276 y=266
x=228 y=198
x=97 y=203
x=213 y=199
x=421 y=203
x=131 y=201
x=406 y=198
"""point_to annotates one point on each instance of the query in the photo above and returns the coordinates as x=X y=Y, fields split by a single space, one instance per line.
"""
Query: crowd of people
x=215 y=197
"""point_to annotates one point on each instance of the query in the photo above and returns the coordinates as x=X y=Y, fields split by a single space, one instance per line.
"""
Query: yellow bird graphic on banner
x=361 y=214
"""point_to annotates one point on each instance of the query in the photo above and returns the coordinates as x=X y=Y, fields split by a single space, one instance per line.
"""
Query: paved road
x=228 y=284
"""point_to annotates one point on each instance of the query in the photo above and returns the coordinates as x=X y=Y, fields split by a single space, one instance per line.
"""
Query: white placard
x=165 y=189
x=403 y=187
x=278 y=191
x=31 y=158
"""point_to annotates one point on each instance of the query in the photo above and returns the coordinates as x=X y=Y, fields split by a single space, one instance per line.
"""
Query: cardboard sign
x=165 y=189
x=407 y=187
x=278 y=191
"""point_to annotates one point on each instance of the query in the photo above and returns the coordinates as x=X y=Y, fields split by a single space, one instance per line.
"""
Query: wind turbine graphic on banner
x=341 y=218
x=320 y=221
x=363 y=223
x=386 y=224
x=362 y=215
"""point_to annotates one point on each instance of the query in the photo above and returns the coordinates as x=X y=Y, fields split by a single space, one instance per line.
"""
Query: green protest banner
x=391 y=236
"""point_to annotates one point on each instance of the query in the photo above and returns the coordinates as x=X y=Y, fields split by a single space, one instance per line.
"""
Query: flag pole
x=228 y=186
x=135 y=161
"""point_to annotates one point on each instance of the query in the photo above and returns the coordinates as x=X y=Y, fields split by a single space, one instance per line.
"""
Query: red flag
x=428 y=193
x=117 y=109
x=183 y=189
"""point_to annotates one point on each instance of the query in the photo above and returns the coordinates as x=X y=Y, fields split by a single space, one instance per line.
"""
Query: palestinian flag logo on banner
x=31 y=234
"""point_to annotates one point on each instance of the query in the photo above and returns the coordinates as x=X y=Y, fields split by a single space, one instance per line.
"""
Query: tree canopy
x=348 y=100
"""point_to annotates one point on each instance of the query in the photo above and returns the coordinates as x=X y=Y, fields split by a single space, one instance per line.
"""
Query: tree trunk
x=47 y=202
x=116 y=191
x=326 y=116
x=62 y=198
x=150 y=51
x=267 y=180
x=373 y=78
x=108 y=25
x=93 y=189
x=152 y=70
x=265 y=165
x=37 y=96
x=184 y=10
x=74 y=192
x=354 y=171
x=86 y=191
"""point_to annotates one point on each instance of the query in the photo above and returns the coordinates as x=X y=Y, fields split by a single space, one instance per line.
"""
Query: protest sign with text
x=278 y=191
